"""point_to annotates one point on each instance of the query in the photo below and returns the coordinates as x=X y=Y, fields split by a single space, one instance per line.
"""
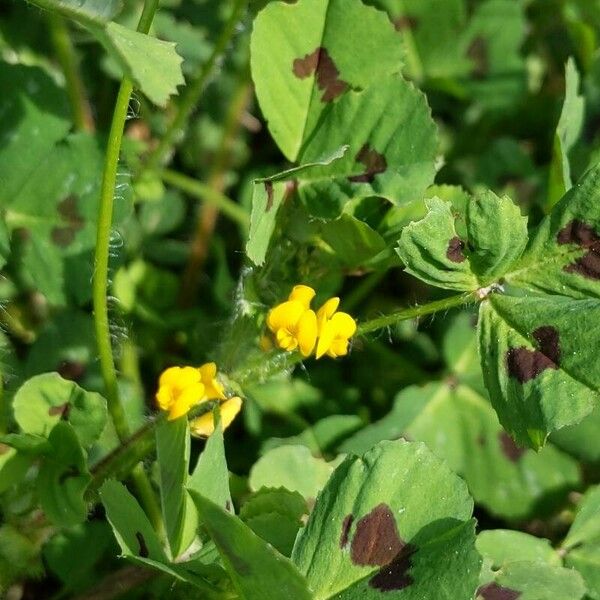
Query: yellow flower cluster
x=296 y=326
x=181 y=388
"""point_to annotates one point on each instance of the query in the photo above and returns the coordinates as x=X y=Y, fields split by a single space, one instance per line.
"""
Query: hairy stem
x=193 y=91
x=100 y=280
x=416 y=311
x=66 y=55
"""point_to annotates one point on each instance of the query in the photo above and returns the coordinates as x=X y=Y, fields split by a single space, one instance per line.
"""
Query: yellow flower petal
x=164 y=398
x=212 y=387
x=326 y=337
x=285 y=316
x=204 y=425
x=208 y=371
x=339 y=347
x=169 y=376
x=229 y=410
x=285 y=340
x=343 y=324
x=306 y=332
x=303 y=294
x=327 y=310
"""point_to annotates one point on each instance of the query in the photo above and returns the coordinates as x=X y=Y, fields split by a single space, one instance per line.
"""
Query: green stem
x=193 y=91
x=65 y=53
x=416 y=311
x=208 y=194
x=100 y=280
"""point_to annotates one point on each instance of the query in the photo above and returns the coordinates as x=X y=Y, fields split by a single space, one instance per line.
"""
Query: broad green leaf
x=63 y=478
x=432 y=251
x=291 y=467
x=256 y=569
x=393 y=146
x=499 y=546
x=539 y=309
x=130 y=525
x=173 y=455
x=353 y=241
x=582 y=544
x=433 y=35
x=518 y=565
x=308 y=55
x=26 y=443
x=267 y=199
x=568 y=130
x=538 y=377
x=580 y=440
x=55 y=212
x=46 y=400
x=153 y=65
x=460 y=426
x=371 y=531
x=210 y=476
x=275 y=514
x=35 y=116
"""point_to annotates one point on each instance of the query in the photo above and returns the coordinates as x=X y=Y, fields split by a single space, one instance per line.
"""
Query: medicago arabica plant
x=299 y=300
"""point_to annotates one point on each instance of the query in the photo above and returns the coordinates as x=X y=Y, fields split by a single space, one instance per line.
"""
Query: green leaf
x=580 y=440
x=173 y=455
x=432 y=251
x=131 y=527
x=308 y=55
x=567 y=133
x=275 y=514
x=46 y=400
x=582 y=544
x=55 y=210
x=371 y=531
x=291 y=467
x=13 y=466
x=63 y=478
x=460 y=426
x=518 y=565
x=392 y=152
x=211 y=476
x=256 y=569
x=153 y=65
x=35 y=116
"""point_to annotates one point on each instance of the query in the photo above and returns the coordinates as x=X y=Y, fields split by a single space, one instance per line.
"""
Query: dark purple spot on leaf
x=269 y=190
x=395 y=576
x=376 y=540
x=23 y=234
x=374 y=163
x=327 y=74
x=63 y=410
x=71 y=370
x=143 y=548
x=478 y=53
x=65 y=234
x=524 y=364
x=547 y=339
x=346 y=525
x=509 y=448
x=493 y=591
x=455 y=250
x=583 y=235
x=405 y=22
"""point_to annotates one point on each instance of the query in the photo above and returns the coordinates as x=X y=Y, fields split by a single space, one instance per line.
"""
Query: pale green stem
x=208 y=194
x=65 y=53
x=193 y=91
x=416 y=311
x=100 y=280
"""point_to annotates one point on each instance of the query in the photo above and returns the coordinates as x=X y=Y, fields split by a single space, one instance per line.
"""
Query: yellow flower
x=181 y=388
x=334 y=330
x=204 y=425
x=293 y=322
